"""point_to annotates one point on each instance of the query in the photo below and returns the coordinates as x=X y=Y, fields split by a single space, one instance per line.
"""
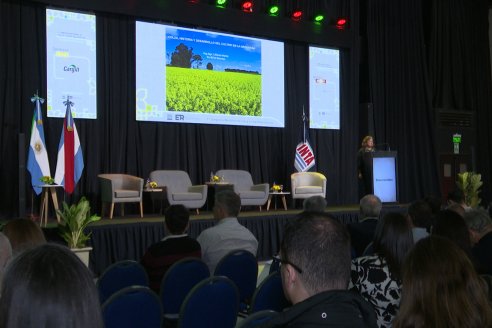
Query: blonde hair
x=366 y=140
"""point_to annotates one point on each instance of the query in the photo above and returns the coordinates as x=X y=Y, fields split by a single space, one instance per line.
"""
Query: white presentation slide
x=324 y=88
x=194 y=76
x=71 y=63
x=384 y=179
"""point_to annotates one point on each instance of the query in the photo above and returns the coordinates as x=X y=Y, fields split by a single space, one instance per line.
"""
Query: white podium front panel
x=384 y=178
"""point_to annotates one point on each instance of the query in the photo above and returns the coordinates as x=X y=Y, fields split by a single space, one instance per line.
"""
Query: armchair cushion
x=249 y=193
x=179 y=189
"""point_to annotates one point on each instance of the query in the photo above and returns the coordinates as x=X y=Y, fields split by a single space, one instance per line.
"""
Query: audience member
x=362 y=233
x=457 y=197
x=315 y=270
x=378 y=277
x=434 y=202
x=48 y=286
x=441 y=288
x=480 y=228
x=5 y=253
x=23 y=234
x=452 y=226
x=227 y=234
x=175 y=246
x=314 y=204
x=420 y=214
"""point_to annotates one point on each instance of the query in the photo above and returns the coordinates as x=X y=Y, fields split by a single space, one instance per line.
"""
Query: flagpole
x=303 y=124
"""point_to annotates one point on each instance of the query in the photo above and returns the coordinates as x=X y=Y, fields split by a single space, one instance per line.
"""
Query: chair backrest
x=213 y=303
x=179 y=279
x=239 y=178
x=134 y=306
x=120 y=275
x=269 y=295
x=257 y=319
x=241 y=267
x=308 y=179
x=174 y=180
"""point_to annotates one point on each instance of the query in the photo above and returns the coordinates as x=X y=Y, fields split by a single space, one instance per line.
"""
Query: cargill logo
x=71 y=68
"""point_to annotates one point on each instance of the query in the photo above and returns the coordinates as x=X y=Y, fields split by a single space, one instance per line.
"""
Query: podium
x=384 y=176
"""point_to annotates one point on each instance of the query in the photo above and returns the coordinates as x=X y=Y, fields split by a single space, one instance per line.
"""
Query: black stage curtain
x=400 y=92
x=460 y=70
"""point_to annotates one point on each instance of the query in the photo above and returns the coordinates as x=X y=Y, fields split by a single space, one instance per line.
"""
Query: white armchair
x=250 y=194
x=179 y=189
x=120 y=188
x=308 y=184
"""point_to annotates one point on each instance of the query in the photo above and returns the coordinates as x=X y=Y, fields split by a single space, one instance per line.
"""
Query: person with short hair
x=378 y=277
x=315 y=270
x=49 y=286
x=228 y=234
x=441 y=288
x=23 y=234
x=314 y=204
x=177 y=245
x=364 y=166
x=480 y=227
x=362 y=232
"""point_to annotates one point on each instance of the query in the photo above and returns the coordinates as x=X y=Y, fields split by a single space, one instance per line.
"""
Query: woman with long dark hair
x=378 y=277
x=441 y=289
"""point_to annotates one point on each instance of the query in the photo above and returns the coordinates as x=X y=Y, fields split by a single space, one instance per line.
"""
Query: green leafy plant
x=47 y=180
x=75 y=219
x=470 y=183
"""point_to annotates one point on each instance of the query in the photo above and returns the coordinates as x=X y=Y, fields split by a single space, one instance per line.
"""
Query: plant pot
x=83 y=254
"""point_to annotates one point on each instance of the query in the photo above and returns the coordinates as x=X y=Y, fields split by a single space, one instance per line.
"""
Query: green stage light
x=273 y=11
x=221 y=3
x=319 y=18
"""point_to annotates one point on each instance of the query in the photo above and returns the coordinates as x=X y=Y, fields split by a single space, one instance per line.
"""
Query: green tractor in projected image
x=191 y=89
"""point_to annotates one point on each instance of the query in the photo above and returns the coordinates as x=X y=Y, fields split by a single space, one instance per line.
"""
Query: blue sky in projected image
x=220 y=50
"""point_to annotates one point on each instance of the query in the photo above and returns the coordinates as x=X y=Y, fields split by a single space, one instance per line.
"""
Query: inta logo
x=71 y=68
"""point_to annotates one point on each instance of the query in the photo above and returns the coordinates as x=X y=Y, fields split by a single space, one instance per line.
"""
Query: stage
x=123 y=238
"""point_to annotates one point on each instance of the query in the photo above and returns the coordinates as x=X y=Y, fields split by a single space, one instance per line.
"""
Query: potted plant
x=470 y=183
x=75 y=219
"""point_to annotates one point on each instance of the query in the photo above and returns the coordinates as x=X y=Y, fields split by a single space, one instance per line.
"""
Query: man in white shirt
x=227 y=234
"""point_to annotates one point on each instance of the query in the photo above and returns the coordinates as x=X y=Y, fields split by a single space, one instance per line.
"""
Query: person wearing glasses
x=315 y=270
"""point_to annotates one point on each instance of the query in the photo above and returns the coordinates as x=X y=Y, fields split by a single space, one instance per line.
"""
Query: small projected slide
x=193 y=76
x=71 y=63
x=324 y=88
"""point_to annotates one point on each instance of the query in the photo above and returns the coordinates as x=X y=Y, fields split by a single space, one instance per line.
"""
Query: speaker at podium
x=384 y=176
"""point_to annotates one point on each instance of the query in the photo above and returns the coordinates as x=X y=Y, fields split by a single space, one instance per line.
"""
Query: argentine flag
x=37 y=158
x=70 y=163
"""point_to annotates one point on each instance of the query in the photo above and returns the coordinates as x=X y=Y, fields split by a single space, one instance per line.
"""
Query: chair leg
x=197 y=211
x=111 y=209
x=122 y=209
x=260 y=208
x=141 y=209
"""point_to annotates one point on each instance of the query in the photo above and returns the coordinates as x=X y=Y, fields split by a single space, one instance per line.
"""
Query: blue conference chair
x=257 y=319
x=134 y=306
x=242 y=268
x=213 y=303
x=120 y=275
x=269 y=295
x=179 y=279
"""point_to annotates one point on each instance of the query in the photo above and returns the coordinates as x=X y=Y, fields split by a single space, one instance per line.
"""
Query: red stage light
x=247 y=6
x=341 y=23
x=296 y=15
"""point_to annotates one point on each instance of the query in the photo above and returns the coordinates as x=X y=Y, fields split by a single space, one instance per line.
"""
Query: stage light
x=296 y=15
x=318 y=18
x=273 y=10
x=247 y=6
x=341 y=23
x=221 y=3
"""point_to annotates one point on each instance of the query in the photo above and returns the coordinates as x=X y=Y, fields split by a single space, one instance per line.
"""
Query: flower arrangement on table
x=152 y=184
x=276 y=187
x=216 y=178
x=46 y=179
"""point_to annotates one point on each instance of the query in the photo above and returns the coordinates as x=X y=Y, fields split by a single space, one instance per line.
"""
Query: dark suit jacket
x=361 y=234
